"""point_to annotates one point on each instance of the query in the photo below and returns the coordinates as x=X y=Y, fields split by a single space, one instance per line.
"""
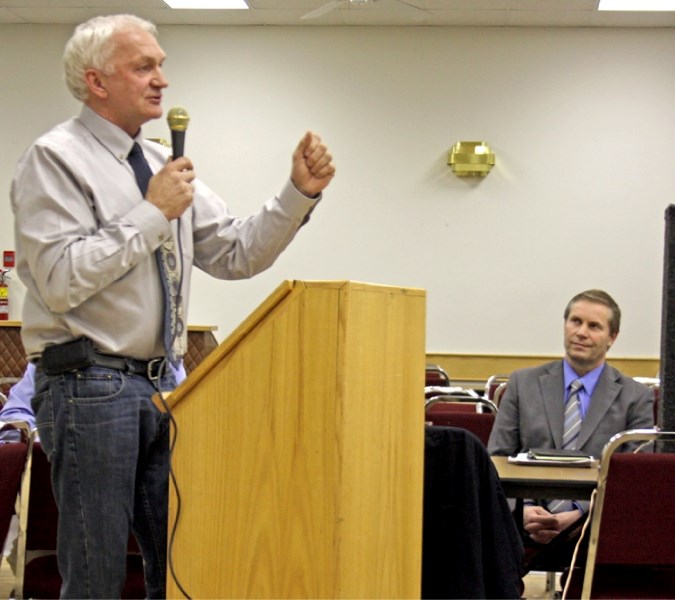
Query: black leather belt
x=80 y=354
x=126 y=364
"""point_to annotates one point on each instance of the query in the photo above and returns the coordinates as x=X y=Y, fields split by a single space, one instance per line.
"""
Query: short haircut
x=599 y=297
x=89 y=47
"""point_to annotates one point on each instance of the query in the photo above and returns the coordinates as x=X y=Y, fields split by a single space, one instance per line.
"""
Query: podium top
x=284 y=290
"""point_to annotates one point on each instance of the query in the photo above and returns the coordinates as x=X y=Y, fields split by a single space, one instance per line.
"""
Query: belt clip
x=154 y=368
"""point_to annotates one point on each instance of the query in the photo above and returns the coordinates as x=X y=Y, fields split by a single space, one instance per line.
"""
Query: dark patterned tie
x=174 y=329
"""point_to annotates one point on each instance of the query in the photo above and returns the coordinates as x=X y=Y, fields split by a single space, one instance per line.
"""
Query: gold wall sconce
x=471 y=159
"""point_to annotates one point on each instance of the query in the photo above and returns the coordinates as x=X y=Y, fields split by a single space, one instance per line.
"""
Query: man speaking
x=108 y=228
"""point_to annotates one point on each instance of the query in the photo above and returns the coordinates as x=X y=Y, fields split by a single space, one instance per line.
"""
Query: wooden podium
x=299 y=448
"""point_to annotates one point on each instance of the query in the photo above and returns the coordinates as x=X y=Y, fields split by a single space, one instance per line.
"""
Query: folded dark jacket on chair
x=471 y=545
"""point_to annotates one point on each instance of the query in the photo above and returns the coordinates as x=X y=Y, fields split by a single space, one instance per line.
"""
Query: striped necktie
x=572 y=423
x=571 y=427
x=174 y=334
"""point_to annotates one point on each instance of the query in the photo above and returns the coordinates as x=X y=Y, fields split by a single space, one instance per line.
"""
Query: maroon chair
x=435 y=375
x=12 y=462
x=631 y=549
x=448 y=406
x=37 y=574
x=492 y=385
x=499 y=392
x=456 y=399
x=480 y=424
x=654 y=384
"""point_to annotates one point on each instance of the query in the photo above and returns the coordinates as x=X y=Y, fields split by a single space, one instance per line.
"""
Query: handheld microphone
x=178 y=120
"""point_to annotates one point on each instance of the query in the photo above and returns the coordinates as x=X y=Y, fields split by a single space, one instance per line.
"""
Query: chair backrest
x=12 y=462
x=37 y=573
x=480 y=424
x=435 y=375
x=456 y=399
x=654 y=384
x=38 y=517
x=499 y=392
x=632 y=522
x=492 y=384
x=446 y=404
x=42 y=512
x=454 y=390
x=650 y=382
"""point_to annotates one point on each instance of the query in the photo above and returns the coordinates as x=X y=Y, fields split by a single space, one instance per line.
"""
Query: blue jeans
x=108 y=446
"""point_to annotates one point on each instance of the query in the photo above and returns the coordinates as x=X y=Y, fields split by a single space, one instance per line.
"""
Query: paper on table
x=524 y=458
x=565 y=455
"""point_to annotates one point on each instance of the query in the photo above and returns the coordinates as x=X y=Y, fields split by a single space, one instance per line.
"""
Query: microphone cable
x=179 y=501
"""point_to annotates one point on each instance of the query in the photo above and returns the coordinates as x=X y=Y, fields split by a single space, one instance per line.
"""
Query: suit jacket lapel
x=605 y=392
x=552 y=391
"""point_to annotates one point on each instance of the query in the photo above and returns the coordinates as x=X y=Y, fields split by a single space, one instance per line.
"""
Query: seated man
x=17 y=407
x=540 y=410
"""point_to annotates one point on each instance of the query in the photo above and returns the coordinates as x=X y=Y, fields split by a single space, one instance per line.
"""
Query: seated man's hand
x=543 y=526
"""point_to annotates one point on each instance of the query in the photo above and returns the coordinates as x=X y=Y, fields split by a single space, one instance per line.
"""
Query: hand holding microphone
x=170 y=189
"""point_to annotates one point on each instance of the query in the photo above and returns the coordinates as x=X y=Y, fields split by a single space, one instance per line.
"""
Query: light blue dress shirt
x=589 y=382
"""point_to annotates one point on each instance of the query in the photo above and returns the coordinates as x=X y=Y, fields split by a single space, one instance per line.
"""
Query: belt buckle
x=154 y=368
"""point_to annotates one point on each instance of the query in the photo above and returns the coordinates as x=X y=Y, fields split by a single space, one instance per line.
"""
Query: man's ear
x=95 y=83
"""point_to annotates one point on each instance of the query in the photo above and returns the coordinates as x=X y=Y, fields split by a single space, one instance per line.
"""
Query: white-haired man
x=104 y=219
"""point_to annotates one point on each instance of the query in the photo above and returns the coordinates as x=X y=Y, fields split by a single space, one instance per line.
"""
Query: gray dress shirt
x=85 y=239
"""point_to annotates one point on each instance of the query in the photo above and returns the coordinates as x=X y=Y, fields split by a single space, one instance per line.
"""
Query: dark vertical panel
x=666 y=407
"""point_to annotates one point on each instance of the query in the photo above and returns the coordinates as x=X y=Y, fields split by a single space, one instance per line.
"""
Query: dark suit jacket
x=471 y=545
x=531 y=411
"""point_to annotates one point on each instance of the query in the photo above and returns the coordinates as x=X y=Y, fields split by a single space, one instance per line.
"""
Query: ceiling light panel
x=207 y=4
x=637 y=5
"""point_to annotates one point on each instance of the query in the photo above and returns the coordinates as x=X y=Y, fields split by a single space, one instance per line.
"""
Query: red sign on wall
x=8 y=259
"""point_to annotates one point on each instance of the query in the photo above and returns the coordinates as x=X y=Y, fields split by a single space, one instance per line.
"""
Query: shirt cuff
x=295 y=203
x=151 y=222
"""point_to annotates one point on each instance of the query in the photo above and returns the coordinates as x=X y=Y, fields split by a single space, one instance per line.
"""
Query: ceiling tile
x=496 y=13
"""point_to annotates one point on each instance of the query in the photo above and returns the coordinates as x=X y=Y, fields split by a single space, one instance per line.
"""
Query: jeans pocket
x=95 y=384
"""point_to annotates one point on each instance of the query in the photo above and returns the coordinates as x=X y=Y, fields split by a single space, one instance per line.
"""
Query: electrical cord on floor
x=578 y=545
x=174 y=482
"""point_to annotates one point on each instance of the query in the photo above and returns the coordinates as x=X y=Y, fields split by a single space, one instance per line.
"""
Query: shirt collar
x=114 y=139
x=589 y=380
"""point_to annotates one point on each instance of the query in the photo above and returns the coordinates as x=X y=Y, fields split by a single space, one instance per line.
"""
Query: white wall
x=581 y=120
